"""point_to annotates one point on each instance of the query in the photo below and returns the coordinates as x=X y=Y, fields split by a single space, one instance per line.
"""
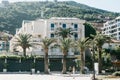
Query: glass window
x=64 y=26
x=52 y=26
x=76 y=36
x=76 y=27
x=52 y=35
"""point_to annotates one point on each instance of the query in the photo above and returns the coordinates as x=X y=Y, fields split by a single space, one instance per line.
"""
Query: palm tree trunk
x=99 y=60
x=82 y=63
x=64 y=64
x=24 y=52
x=46 y=62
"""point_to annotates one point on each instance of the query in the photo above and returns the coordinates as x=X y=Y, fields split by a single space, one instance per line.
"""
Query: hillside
x=11 y=17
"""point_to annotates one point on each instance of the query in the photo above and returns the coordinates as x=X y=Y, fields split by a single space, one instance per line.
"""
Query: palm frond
x=23 y=40
x=64 y=33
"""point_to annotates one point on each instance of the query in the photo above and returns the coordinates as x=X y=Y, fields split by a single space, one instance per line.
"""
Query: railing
x=40 y=53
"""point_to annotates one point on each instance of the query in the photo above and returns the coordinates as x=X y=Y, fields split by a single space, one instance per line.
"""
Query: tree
x=17 y=12
x=109 y=40
x=82 y=44
x=64 y=33
x=99 y=41
x=46 y=42
x=24 y=41
x=117 y=52
x=65 y=45
x=89 y=30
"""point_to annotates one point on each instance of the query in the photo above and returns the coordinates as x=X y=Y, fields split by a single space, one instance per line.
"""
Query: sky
x=110 y=5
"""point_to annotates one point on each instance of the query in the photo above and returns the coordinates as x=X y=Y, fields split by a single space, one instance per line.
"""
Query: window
x=7 y=44
x=52 y=26
x=64 y=26
x=76 y=27
x=52 y=35
x=76 y=36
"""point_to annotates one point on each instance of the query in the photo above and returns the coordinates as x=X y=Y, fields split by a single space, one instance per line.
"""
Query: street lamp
x=93 y=59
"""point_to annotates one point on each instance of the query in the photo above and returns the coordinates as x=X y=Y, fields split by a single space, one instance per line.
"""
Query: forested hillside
x=11 y=17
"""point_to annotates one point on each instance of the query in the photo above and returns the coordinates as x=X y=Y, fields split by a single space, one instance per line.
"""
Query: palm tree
x=65 y=45
x=99 y=40
x=82 y=44
x=46 y=42
x=64 y=33
x=24 y=41
x=108 y=40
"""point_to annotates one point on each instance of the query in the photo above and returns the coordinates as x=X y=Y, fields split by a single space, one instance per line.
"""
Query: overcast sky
x=110 y=5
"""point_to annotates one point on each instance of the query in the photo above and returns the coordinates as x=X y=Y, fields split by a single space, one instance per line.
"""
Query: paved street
x=43 y=77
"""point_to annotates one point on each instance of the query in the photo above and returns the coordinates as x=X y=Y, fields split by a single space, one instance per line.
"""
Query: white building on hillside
x=112 y=28
x=42 y=28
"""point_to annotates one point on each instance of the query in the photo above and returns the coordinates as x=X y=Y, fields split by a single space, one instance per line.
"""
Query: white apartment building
x=42 y=28
x=112 y=28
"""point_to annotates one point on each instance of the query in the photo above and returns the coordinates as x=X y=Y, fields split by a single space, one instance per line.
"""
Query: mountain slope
x=12 y=16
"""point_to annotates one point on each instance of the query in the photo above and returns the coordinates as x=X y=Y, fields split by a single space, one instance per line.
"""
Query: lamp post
x=93 y=59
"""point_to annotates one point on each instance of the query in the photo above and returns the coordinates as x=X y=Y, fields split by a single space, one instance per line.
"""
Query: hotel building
x=42 y=28
x=112 y=28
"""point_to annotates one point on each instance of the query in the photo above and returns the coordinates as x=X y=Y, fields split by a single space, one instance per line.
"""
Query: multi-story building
x=42 y=28
x=97 y=25
x=112 y=28
x=4 y=41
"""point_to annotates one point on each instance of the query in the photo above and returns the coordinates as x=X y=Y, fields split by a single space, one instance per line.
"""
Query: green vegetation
x=65 y=45
x=64 y=33
x=11 y=17
x=23 y=40
x=82 y=44
x=89 y=30
x=46 y=43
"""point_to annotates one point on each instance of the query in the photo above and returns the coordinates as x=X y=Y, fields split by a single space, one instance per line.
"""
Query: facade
x=111 y=45
x=42 y=28
x=112 y=28
x=4 y=46
x=97 y=25
x=4 y=41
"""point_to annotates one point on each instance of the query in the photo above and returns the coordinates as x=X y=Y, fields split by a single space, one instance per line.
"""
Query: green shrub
x=3 y=56
x=13 y=57
x=117 y=73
